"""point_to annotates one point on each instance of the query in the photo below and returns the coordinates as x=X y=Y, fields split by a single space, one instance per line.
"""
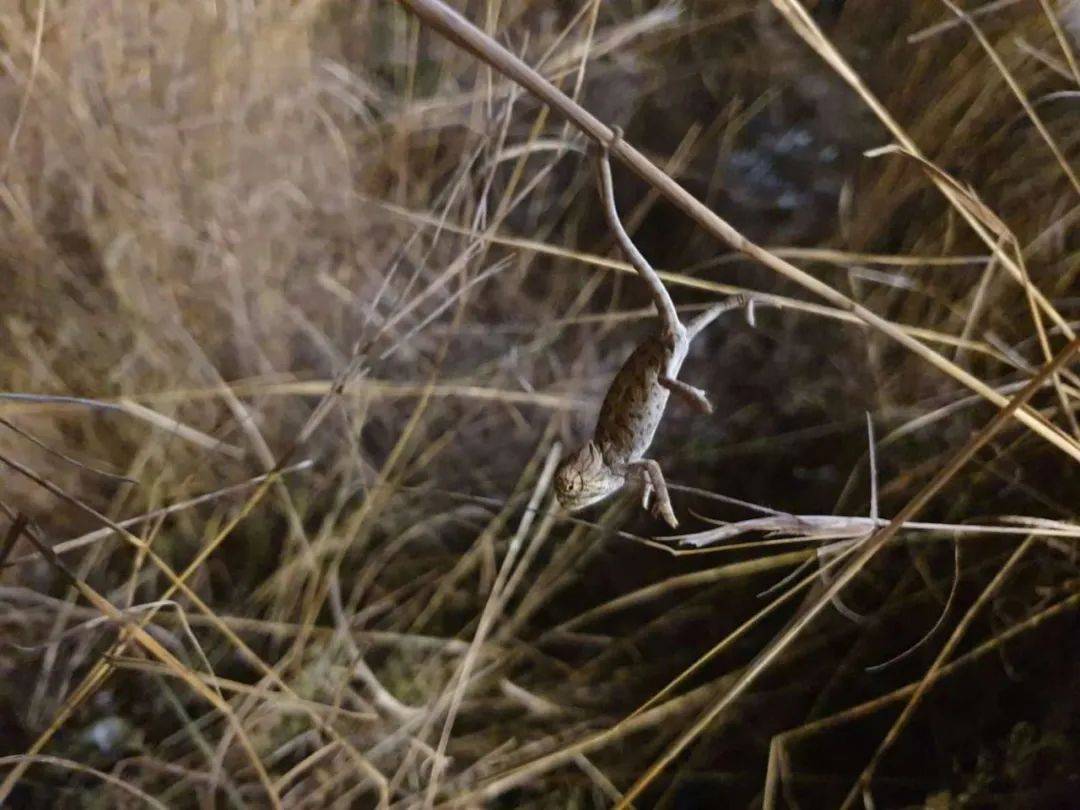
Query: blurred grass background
x=211 y=209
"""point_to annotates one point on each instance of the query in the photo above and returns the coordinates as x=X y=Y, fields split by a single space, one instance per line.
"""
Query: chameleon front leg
x=654 y=479
x=712 y=313
x=692 y=396
x=695 y=397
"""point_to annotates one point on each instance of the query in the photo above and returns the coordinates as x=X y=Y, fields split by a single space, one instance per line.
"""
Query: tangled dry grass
x=307 y=300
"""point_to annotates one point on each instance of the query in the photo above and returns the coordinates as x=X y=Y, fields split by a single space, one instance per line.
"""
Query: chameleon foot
x=654 y=480
x=662 y=510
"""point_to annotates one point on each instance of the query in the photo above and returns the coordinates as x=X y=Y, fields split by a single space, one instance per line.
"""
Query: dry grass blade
x=805 y=586
x=55 y=400
x=691 y=580
x=28 y=89
x=1062 y=40
x=862 y=784
x=186 y=432
x=810 y=528
x=966 y=198
x=279 y=701
x=945 y=609
x=98 y=674
x=131 y=408
x=692 y=282
x=947 y=25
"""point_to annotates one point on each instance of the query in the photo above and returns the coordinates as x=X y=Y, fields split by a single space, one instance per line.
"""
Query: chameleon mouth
x=575 y=503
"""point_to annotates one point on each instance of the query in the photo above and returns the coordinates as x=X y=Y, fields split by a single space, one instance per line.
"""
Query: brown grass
x=333 y=294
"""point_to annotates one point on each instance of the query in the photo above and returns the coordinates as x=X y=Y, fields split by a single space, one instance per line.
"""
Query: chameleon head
x=584 y=478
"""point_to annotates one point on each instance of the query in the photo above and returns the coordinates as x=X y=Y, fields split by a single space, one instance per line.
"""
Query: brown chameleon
x=635 y=402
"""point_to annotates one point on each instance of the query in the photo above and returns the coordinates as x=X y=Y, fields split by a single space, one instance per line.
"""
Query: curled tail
x=664 y=305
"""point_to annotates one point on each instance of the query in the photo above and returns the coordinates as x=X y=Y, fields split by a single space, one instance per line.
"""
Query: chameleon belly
x=635 y=402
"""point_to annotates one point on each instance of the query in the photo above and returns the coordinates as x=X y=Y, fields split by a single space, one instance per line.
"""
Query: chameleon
x=638 y=395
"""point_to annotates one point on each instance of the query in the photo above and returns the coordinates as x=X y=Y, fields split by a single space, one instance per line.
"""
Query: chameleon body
x=634 y=405
x=635 y=401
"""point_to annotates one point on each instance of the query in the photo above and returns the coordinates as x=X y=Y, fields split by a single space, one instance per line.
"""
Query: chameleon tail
x=664 y=305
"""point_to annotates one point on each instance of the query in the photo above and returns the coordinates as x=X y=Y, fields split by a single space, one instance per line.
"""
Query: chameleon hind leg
x=646 y=494
x=655 y=488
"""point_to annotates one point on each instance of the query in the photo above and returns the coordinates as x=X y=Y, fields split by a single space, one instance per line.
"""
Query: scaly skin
x=629 y=417
x=635 y=402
